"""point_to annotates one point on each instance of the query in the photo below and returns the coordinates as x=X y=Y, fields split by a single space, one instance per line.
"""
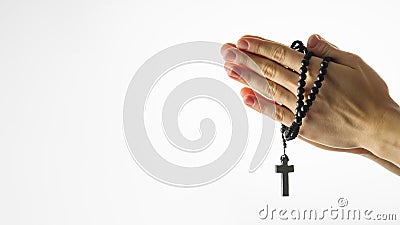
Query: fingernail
x=242 y=93
x=227 y=69
x=242 y=44
x=230 y=56
x=249 y=100
x=234 y=75
x=313 y=41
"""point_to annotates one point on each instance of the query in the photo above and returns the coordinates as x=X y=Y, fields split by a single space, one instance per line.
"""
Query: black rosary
x=290 y=133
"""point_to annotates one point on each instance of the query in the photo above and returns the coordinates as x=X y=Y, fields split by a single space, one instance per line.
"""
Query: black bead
x=295 y=130
x=301 y=114
x=301 y=83
x=320 y=77
x=309 y=103
x=317 y=84
x=322 y=70
x=305 y=62
x=283 y=128
x=324 y=64
x=311 y=97
x=298 y=120
x=308 y=55
x=300 y=97
x=305 y=108
x=303 y=69
x=298 y=109
x=287 y=135
x=299 y=104
x=300 y=90
x=328 y=59
x=302 y=76
x=314 y=90
x=293 y=126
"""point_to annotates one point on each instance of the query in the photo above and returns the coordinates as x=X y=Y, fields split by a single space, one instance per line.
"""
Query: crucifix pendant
x=284 y=169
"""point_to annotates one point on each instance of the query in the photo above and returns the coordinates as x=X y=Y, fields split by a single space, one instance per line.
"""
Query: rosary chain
x=290 y=133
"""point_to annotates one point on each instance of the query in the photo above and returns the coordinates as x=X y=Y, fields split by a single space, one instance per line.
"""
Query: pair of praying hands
x=353 y=111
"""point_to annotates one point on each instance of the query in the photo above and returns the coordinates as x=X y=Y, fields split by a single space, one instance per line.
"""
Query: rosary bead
x=298 y=120
x=314 y=90
x=301 y=114
x=317 y=84
x=303 y=69
x=295 y=130
x=305 y=108
x=283 y=128
x=301 y=83
x=302 y=76
x=292 y=132
x=299 y=104
x=324 y=64
x=308 y=55
x=305 y=62
x=309 y=102
x=320 y=77
x=300 y=90
x=322 y=71
x=300 y=97
x=311 y=97
x=298 y=109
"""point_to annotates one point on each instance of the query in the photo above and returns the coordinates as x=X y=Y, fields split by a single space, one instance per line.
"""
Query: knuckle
x=279 y=114
x=356 y=58
x=279 y=54
x=270 y=89
x=325 y=50
x=269 y=70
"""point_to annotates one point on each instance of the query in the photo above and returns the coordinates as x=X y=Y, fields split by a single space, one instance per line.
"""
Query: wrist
x=383 y=135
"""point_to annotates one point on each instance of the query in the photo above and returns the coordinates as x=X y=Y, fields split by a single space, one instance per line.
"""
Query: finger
x=267 y=107
x=272 y=71
x=233 y=73
x=268 y=68
x=277 y=52
x=263 y=86
x=227 y=46
x=258 y=37
x=253 y=36
x=322 y=48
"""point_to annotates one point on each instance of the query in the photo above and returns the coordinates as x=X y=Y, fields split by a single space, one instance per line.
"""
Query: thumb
x=322 y=48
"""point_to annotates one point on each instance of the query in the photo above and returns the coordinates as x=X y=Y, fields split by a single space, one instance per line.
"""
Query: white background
x=64 y=70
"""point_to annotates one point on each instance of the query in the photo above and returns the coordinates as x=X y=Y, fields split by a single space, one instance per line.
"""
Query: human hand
x=351 y=105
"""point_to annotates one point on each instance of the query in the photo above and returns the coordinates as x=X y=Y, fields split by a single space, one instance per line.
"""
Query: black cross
x=284 y=169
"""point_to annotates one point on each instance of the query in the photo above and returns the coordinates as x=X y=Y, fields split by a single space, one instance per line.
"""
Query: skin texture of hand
x=353 y=111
